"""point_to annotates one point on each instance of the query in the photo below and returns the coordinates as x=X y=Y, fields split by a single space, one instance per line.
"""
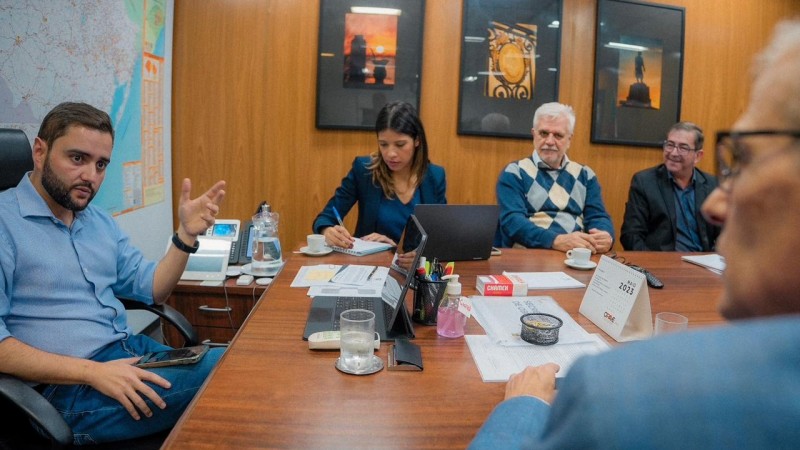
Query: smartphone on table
x=186 y=355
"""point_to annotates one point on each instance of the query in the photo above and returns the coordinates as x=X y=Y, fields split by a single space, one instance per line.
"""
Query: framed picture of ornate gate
x=510 y=55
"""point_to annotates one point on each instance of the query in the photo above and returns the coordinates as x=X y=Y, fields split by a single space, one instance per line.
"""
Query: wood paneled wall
x=244 y=92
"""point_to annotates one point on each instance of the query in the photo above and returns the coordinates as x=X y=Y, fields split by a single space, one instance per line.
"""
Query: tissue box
x=501 y=285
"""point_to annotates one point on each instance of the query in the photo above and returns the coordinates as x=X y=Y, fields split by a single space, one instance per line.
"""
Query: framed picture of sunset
x=370 y=53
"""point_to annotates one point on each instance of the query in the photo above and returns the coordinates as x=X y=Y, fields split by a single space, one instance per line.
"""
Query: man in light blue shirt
x=63 y=262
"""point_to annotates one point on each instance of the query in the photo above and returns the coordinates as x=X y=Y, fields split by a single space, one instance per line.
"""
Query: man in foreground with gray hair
x=732 y=386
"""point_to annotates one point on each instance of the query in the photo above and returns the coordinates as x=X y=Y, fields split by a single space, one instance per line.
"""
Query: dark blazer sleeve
x=356 y=186
x=649 y=220
x=433 y=188
x=637 y=210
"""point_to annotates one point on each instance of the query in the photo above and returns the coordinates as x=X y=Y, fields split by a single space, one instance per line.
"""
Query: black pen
x=372 y=273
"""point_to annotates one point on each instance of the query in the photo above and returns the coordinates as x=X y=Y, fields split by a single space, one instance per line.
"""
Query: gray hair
x=782 y=51
x=553 y=110
x=691 y=128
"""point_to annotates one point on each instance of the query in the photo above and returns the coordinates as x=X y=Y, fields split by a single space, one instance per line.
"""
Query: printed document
x=712 y=262
x=353 y=274
x=372 y=288
x=315 y=275
x=500 y=318
x=497 y=363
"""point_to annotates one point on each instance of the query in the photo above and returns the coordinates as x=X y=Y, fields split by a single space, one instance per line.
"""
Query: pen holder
x=540 y=328
x=427 y=297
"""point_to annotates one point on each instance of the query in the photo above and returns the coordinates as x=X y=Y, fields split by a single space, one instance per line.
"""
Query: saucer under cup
x=575 y=265
x=325 y=250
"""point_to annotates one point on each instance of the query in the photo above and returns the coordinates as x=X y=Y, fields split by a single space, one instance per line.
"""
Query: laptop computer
x=458 y=232
x=391 y=316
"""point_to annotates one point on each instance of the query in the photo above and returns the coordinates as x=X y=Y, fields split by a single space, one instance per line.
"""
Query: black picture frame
x=510 y=63
x=356 y=71
x=636 y=101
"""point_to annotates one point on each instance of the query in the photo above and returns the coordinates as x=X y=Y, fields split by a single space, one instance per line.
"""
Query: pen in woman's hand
x=338 y=217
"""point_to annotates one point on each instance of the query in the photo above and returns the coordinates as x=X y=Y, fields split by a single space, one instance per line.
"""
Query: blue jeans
x=96 y=418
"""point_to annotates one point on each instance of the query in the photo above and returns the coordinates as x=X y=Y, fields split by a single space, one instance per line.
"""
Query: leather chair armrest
x=35 y=407
x=169 y=314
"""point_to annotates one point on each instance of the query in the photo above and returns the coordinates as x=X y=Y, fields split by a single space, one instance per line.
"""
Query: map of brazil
x=108 y=53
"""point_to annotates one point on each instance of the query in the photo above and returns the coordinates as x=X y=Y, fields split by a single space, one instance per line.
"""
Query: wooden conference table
x=271 y=391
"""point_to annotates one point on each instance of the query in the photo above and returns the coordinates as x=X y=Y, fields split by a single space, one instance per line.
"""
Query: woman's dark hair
x=400 y=117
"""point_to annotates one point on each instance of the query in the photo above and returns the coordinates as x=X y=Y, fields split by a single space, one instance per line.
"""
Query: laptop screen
x=458 y=232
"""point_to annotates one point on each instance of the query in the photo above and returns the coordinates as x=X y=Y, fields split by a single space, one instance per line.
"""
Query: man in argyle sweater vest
x=548 y=201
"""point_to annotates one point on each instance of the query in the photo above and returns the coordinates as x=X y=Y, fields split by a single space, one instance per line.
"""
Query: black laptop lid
x=458 y=232
x=403 y=266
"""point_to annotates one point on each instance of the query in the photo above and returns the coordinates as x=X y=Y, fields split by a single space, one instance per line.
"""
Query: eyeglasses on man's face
x=681 y=149
x=735 y=150
x=544 y=134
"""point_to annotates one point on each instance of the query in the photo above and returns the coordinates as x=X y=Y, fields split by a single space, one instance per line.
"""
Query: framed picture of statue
x=638 y=72
x=510 y=54
x=370 y=53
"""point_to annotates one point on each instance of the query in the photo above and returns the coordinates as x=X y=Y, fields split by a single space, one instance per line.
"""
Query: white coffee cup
x=316 y=243
x=579 y=256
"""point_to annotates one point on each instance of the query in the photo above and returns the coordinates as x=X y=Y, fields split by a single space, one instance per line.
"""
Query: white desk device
x=210 y=263
x=229 y=230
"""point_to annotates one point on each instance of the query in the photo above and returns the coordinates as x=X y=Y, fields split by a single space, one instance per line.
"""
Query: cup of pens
x=540 y=328
x=427 y=296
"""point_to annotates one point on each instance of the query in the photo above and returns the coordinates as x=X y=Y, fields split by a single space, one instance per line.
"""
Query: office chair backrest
x=15 y=157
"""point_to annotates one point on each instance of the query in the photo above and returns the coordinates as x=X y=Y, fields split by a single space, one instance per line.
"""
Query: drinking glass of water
x=357 y=327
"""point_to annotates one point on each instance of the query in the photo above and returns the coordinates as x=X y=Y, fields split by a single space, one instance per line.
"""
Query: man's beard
x=60 y=192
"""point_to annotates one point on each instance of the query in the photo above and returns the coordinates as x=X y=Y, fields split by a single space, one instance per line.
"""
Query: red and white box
x=501 y=285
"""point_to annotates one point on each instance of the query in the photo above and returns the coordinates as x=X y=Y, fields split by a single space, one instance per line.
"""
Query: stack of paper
x=497 y=363
x=363 y=248
x=501 y=352
x=500 y=318
x=712 y=262
x=320 y=280
x=548 y=280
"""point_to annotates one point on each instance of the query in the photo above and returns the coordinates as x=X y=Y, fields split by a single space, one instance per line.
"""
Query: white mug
x=316 y=243
x=579 y=255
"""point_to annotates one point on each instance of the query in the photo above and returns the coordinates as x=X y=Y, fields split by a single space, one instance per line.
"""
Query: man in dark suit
x=662 y=212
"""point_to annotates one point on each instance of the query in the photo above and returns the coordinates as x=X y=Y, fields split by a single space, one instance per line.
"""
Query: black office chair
x=15 y=160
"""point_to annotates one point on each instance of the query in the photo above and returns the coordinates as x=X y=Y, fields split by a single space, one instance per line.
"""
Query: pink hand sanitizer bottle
x=449 y=320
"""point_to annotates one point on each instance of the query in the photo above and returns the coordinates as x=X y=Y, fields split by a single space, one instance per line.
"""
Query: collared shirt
x=59 y=284
x=687 y=238
x=544 y=166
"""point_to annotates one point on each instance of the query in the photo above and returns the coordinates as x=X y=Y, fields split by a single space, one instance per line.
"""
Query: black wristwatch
x=177 y=242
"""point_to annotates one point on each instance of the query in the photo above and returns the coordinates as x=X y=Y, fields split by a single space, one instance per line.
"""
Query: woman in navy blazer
x=387 y=184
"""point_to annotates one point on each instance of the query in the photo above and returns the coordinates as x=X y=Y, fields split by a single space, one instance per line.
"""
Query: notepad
x=712 y=262
x=363 y=248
